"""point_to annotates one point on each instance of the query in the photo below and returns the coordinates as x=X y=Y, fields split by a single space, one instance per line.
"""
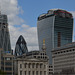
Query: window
x=25 y=65
x=44 y=72
x=40 y=72
x=29 y=72
x=29 y=65
x=41 y=65
x=25 y=72
x=20 y=72
x=8 y=68
x=44 y=66
x=36 y=72
x=32 y=65
x=32 y=72
x=20 y=65
x=7 y=58
x=50 y=69
x=8 y=63
x=36 y=65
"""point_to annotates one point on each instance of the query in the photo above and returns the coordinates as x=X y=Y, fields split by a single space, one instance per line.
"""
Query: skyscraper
x=56 y=27
x=21 y=46
x=4 y=33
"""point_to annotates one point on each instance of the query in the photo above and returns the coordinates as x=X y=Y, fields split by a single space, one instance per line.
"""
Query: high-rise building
x=4 y=34
x=21 y=46
x=56 y=27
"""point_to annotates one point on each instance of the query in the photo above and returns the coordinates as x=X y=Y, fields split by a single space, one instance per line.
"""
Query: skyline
x=23 y=18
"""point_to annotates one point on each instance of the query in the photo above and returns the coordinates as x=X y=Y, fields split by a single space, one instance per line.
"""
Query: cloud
x=73 y=13
x=29 y=33
x=12 y=10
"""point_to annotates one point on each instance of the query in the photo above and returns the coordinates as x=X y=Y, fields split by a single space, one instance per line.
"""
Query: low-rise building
x=6 y=62
x=33 y=63
x=64 y=59
x=50 y=70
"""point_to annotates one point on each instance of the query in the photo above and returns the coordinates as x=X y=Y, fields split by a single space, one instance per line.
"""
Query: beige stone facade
x=33 y=63
x=8 y=63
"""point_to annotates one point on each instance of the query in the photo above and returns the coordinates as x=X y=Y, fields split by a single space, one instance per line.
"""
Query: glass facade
x=4 y=34
x=56 y=28
x=21 y=46
x=63 y=31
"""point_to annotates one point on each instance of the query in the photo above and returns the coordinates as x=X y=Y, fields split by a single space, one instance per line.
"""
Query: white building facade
x=64 y=59
x=33 y=63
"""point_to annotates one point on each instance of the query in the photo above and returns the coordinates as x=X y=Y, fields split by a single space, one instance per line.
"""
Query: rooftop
x=65 y=46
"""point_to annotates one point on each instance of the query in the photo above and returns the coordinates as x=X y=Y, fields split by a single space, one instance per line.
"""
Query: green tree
x=2 y=72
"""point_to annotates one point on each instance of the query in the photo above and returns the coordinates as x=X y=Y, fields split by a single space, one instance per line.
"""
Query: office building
x=64 y=59
x=56 y=27
x=33 y=63
x=21 y=46
x=6 y=62
x=4 y=33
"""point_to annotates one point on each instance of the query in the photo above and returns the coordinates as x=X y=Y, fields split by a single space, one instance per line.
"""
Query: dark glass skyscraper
x=21 y=46
x=56 y=27
x=4 y=33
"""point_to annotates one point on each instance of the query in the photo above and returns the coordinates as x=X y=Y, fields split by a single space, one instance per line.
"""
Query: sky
x=23 y=14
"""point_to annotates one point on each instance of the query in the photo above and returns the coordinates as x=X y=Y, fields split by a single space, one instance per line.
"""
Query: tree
x=2 y=72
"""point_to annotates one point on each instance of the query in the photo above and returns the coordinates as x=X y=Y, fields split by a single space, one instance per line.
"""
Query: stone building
x=33 y=63
x=64 y=59
x=8 y=63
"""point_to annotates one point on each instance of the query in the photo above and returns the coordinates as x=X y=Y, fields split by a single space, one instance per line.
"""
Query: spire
x=44 y=47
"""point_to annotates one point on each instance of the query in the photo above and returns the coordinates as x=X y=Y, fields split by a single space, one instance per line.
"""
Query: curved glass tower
x=56 y=27
x=4 y=34
x=21 y=46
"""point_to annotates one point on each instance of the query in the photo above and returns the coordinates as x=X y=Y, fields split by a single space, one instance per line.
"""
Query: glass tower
x=4 y=34
x=21 y=46
x=56 y=27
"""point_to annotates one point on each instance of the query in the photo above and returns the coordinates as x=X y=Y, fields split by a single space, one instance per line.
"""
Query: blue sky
x=33 y=8
x=23 y=14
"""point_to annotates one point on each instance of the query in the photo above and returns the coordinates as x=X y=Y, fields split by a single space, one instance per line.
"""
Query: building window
x=25 y=72
x=29 y=65
x=7 y=58
x=41 y=65
x=44 y=72
x=32 y=72
x=36 y=65
x=36 y=72
x=44 y=66
x=25 y=65
x=20 y=65
x=20 y=72
x=8 y=68
x=50 y=69
x=8 y=63
x=40 y=72
x=32 y=65
x=29 y=72
x=50 y=66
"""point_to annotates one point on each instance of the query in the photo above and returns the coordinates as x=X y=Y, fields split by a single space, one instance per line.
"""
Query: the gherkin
x=21 y=47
